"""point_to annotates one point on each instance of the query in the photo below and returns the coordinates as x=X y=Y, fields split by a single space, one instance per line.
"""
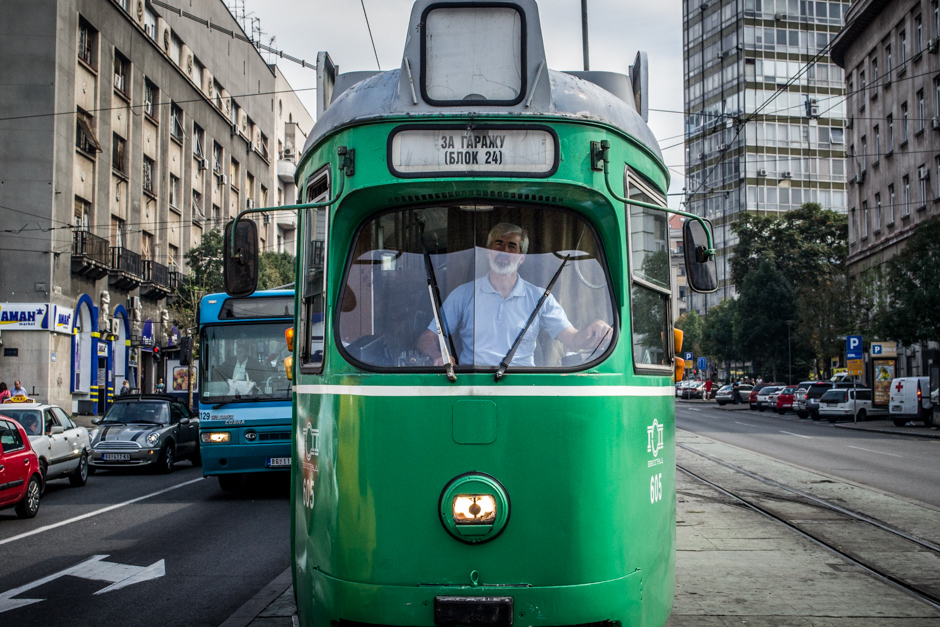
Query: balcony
x=156 y=278
x=90 y=256
x=286 y=169
x=125 y=268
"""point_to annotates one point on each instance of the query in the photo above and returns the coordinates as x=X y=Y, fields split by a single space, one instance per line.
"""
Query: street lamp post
x=789 y=324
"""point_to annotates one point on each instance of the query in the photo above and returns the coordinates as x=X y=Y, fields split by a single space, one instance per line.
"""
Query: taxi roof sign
x=20 y=398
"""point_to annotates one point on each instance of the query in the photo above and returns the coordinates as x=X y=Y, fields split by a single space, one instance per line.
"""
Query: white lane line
x=746 y=424
x=693 y=409
x=797 y=435
x=868 y=450
x=98 y=511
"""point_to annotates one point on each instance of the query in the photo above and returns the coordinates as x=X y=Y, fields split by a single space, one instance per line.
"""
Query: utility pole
x=789 y=324
x=584 y=35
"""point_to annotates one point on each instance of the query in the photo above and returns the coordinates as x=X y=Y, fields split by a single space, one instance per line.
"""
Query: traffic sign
x=884 y=349
x=853 y=347
x=702 y=363
x=688 y=357
x=855 y=367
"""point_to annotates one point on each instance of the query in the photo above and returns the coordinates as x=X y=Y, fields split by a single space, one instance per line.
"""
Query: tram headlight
x=474 y=509
x=216 y=437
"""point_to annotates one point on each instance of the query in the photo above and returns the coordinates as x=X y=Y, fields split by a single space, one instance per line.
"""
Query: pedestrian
x=4 y=392
x=708 y=389
x=160 y=386
x=736 y=394
x=18 y=390
x=125 y=389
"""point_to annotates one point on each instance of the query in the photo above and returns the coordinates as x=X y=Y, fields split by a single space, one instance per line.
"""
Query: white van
x=910 y=400
x=840 y=403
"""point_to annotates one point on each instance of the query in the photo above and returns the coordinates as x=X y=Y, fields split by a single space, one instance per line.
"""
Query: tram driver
x=489 y=313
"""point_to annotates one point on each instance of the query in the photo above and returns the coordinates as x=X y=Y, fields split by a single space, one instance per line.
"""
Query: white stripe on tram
x=485 y=390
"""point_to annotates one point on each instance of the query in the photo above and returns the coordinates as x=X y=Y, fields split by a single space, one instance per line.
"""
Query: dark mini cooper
x=153 y=431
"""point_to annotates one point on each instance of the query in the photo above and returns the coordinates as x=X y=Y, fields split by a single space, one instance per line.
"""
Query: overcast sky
x=618 y=29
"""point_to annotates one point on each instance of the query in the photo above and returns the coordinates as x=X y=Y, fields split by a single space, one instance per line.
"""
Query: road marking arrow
x=94 y=568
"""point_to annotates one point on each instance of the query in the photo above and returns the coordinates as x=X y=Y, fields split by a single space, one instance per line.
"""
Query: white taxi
x=63 y=447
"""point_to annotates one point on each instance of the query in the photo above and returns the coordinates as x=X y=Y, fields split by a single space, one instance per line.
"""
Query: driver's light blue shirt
x=487 y=324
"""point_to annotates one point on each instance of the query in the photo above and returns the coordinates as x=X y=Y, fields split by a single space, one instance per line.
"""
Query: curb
x=244 y=615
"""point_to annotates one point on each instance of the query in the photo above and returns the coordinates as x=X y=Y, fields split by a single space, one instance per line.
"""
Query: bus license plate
x=279 y=462
x=116 y=457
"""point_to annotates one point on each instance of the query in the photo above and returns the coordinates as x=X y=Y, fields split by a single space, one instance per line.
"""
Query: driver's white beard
x=508 y=268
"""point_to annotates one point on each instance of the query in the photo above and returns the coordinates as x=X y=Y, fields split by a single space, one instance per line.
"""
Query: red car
x=20 y=479
x=785 y=400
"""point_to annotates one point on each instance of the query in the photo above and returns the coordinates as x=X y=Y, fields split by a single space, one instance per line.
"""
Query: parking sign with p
x=853 y=347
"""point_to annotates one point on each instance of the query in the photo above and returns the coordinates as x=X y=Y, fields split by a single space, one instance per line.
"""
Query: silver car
x=62 y=446
x=153 y=431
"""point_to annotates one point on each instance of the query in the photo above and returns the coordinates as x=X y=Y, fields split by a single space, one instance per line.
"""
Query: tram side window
x=314 y=272
x=490 y=265
x=649 y=278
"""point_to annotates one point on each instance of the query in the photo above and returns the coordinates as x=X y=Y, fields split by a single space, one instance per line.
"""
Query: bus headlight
x=216 y=437
x=474 y=508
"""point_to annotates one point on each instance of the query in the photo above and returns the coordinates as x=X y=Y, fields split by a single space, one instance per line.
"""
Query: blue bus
x=245 y=395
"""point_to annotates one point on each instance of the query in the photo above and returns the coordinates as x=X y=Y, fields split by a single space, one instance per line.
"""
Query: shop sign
x=884 y=349
x=24 y=316
x=62 y=317
x=102 y=349
x=132 y=358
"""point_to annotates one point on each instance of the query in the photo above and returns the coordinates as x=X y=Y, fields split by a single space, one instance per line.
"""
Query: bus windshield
x=244 y=361
x=488 y=267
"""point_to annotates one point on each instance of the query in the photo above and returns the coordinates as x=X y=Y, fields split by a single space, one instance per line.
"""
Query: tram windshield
x=488 y=268
x=244 y=361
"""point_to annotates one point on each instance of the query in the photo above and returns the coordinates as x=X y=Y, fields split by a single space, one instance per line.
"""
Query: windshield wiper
x=243 y=399
x=504 y=364
x=443 y=339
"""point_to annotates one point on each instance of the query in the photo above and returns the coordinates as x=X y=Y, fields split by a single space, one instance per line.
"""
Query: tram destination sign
x=483 y=150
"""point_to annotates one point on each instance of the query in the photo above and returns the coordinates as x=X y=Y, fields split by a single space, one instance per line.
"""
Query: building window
x=891 y=204
x=864 y=153
x=148 y=175
x=904 y=117
x=198 y=215
x=265 y=152
x=936 y=19
x=902 y=50
x=173 y=255
x=175 y=189
x=199 y=138
x=921 y=110
x=918 y=35
x=877 y=142
x=122 y=74
x=890 y=121
x=864 y=219
x=176 y=122
x=906 y=209
x=936 y=85
x=877 y=212
x=216 y=216
x=87 y=43
x=119 y=155
x=82 y=210
x=888 y=66
x=234 y=173
x=117 y=232
x=146 y=245
x=217 y=158
x=923 y=174
x=853 y=225
x=862 y=86
x=85 y=139
x=150 y=99
x=874 y=76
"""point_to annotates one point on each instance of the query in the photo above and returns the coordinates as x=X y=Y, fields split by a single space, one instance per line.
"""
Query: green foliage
x=205 y=277
x=718 y=332
x=913 y=289
x=693 y=328
x=766 y=301
x=275 y=270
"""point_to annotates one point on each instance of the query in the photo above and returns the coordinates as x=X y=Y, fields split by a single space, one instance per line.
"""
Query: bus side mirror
x=240 y=258
x=699 y=265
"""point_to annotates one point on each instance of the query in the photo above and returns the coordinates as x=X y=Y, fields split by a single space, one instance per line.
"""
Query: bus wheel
x=230 y=483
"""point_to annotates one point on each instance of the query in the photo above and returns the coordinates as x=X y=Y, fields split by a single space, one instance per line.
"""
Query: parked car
x=752 y=397
x=695 y=389
x=844 y=403
x=910 y=400
x=815 y=392
x=20 y=479
x=724 y=394
x=62 y=446
x=763 y=396
x=681 y=385
x=784 y=401
x=153 y=431
x=799 y=399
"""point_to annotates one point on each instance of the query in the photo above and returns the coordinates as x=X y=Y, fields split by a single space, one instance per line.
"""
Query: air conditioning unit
x=701 y=156
x=923 y=174
x=935 y=124
x=721 y=147
x=115 y=325
x=133 y=303
x=778 y=17
x=235 y=128
x=859 y=178
x=787 y=174
x=251 y=146
x=933 y=45
x=250 y=203
x=203 y=164
x=704 y=5
x=223 y=179
x=762 y=172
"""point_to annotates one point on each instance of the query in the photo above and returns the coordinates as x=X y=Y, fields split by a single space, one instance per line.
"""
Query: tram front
x=483 y=409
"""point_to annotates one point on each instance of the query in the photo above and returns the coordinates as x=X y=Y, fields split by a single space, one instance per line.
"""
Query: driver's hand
x=595 y=333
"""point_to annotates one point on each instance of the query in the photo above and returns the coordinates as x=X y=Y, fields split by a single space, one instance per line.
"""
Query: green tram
x=483 y=401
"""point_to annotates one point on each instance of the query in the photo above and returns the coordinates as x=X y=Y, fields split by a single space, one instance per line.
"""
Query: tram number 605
x=308 y=493
x=656 y=488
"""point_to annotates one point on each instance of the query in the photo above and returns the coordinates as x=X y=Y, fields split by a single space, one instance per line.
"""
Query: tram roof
x=362 y=97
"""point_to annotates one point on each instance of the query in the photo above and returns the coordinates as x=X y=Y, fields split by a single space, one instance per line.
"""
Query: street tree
x=766 y=301
x=275 y=270
x=205 y=277
x=913 y=289
x=692 y=325
x=718 y=333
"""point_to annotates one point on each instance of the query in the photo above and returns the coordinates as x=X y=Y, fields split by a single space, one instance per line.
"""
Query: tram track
x=890 y=554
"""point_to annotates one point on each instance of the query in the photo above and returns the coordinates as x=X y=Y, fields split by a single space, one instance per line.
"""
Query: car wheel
x=861 y=415
x=815 y=415
x=230 y=483
x=29 y=506
x=762 y=409
x=43 y=468
x=80 y=476
x=802 y=414
x=196 y=458
x=167 y=459
x=931 y=419
x=899 y=422
x=721 y=402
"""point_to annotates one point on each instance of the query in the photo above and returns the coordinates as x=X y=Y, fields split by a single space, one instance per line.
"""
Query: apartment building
x=130 y=129
x=890 y=52
x=764 y=109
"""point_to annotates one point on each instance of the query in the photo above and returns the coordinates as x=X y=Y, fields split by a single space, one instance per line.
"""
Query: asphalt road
x=142 y=549
x=906 y=466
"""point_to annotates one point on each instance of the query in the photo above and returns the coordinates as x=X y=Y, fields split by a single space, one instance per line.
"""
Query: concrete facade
x=129 y=130
x=764 y=114
x=891 y=55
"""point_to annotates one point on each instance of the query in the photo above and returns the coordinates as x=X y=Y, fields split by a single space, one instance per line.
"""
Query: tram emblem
x=311 y=442
x=654 y=441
